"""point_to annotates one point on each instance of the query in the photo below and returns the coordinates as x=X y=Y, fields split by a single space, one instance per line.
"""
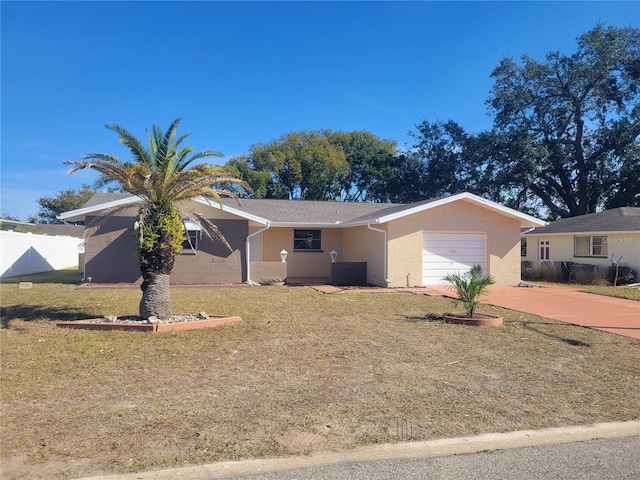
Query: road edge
x=420 y=449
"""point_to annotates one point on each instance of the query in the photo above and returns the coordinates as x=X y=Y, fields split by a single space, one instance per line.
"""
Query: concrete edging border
x=149 y=327
x=422 y=449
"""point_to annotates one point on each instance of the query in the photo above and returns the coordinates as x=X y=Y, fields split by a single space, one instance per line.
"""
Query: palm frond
x=117 y=172
x=153 y=145
x=206 y=153
x=469 y=286
x=181 y=160
x=166 y=147
x=159 y=174
x=102 y=157
x=140 y=153
x=138 y=181
x=182 y=138
x=209 y=228
x=201 y=182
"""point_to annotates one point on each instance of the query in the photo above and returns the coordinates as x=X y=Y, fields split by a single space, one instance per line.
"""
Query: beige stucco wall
x=561 y=249
x=405 y=241
x=356 y=244
x=361 y=244
x=302 y=264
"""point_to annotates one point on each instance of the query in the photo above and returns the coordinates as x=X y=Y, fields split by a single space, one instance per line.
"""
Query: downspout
x=248 y=249
x=384 y=232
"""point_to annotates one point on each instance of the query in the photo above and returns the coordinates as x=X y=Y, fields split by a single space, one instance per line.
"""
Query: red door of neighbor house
x=544 y=249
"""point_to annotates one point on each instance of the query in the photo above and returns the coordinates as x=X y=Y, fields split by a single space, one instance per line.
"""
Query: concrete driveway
x=614 y=315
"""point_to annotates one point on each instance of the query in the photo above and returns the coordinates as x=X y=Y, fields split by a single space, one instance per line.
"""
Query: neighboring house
x=402 y=244
x=593 y=239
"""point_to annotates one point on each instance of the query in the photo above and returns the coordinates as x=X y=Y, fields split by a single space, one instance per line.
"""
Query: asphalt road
x=603 y=459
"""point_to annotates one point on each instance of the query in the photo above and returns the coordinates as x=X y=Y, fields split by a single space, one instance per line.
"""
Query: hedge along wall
x=26 y=253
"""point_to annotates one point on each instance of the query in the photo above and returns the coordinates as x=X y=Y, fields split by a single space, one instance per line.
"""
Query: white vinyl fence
x=26 y=253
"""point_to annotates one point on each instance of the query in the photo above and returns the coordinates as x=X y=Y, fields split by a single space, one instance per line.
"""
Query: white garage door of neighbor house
x=444 y=253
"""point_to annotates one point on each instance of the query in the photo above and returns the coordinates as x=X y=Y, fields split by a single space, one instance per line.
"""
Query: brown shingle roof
x=301 y=211
x=284 y=211
x=623 y=219
x=99 y=198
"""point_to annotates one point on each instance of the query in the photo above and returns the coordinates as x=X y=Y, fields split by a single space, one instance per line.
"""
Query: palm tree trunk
x=156 y=296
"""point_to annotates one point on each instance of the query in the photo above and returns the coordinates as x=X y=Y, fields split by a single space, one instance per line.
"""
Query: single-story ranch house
x=389 y=245
x=594 y=239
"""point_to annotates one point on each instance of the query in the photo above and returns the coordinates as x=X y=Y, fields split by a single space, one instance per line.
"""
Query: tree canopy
x=318 y=165
x=564 y=140
x=63 y=201
x=570 y=125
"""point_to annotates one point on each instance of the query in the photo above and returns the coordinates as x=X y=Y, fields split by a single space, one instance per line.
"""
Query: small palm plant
x=469 y=286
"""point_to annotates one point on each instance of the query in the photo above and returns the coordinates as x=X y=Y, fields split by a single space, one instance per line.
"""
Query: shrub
x=625 y=275
x=547 y=272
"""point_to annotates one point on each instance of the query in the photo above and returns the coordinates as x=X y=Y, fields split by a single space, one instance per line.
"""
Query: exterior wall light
x=334 y=256
x=283 y=255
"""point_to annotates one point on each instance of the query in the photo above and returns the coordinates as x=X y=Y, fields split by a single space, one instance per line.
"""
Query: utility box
x=349 y=273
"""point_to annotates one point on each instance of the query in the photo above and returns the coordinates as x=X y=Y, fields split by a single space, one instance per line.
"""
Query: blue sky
x=241 y=73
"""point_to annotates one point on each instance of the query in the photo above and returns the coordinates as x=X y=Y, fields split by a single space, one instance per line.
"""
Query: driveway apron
x=614 y=315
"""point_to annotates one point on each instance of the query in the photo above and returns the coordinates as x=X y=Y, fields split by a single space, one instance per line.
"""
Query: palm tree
x=159 y=176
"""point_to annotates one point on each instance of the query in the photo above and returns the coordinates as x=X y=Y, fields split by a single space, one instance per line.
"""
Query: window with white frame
x=523 y=247
x=192 y=236
x=590 y=246
x=307 y=240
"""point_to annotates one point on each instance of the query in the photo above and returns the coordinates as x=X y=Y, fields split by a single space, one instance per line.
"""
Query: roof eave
x=308 y=224
x=232 y=210
x=81 y=213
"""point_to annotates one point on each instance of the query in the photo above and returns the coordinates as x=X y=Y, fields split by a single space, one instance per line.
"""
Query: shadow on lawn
x=30 y=313
x=568 y=341
x=69 y=277
x=437 y=318
x=429 y=317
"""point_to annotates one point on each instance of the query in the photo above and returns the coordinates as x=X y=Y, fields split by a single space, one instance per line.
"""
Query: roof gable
x=395 y=212
x=622 y=219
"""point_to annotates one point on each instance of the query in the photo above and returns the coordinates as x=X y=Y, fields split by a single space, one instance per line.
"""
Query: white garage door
x=444 y=253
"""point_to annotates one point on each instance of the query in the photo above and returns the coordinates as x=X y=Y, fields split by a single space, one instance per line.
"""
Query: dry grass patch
x=624 y=291
x=305 y=372
x=630 y=293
